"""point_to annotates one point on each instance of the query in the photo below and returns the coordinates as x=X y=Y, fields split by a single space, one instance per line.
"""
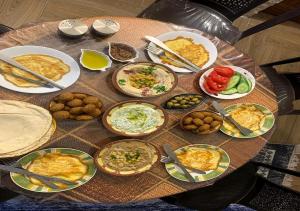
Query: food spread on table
x=122 y=52
x=126 y=157
x=134 y=118
x=25 y=127
x=185 y=47
x=144 y=79
x=48 y=66
x=77 y=106
x=68 y=167
x=183 y=101
x=202 y=122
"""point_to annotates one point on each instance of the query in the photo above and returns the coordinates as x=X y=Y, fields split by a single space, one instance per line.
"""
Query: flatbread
x=21 y=125
x=34 y=146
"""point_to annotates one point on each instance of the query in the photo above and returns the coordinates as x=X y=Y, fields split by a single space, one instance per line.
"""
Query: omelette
x=48 y=66
x=200 y=158
x=195 y=53
x=58 y=165
x=246 y=115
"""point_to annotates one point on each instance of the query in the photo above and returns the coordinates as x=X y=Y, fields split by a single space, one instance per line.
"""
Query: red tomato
x=215 y=86
x=208 y=89
x=218 y=78
x=224 y=71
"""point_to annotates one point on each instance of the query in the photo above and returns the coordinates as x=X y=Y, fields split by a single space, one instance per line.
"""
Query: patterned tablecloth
x=90 y=136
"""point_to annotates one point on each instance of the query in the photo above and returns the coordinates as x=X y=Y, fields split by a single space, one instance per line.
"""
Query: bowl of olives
x=183 y=101
x=201 y=122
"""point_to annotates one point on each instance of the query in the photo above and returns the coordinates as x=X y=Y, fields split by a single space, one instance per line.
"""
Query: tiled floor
x=264 y=47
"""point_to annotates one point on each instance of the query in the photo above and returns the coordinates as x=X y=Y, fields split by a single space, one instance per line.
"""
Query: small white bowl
x=97 y=52
x=72 y=28
x=126 y=60
x=105 y=26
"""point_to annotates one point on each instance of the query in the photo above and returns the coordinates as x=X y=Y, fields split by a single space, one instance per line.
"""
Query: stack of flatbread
x=24 y=127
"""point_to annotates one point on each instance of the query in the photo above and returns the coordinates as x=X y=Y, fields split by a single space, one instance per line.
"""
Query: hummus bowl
x=144 y=79
x=134 y=118
x=126 y=157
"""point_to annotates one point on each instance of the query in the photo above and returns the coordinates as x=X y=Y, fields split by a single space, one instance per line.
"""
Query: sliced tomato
x=224 y=71
x=208 y=89
x=218 y=78
x=215 y=86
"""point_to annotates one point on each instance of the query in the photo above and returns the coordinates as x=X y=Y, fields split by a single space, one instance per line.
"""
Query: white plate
x=240 y=70
x=197 y=39
x=66 y=81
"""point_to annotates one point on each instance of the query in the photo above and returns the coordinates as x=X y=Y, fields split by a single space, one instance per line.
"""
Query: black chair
x=232 y=9
x=4 y=29
x=212 y=18
x=286 y=86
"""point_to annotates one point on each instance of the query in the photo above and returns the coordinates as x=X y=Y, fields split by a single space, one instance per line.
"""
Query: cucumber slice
x=242 y=88
x=234 y=80
x=249 y=83
x=229 y=91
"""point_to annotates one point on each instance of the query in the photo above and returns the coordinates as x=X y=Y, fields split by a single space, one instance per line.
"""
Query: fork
x=159 y=52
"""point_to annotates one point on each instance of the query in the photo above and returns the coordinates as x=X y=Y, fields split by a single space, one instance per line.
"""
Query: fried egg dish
x=58 y=165
x=48 y=66
x=200 y=158
x=195 y=53
x=246 y=115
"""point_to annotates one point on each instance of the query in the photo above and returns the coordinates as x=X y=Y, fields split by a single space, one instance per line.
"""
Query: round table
x=90 y=136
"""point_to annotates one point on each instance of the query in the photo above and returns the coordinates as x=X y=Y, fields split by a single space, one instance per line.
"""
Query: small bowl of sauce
x=122 y=52
x=94 y=60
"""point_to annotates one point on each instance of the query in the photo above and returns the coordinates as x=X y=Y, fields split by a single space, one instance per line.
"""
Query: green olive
x=169 y=104
x=195 y=99
x=192 y=103
x=174 y=101
x=183 y=102
x=185 y=106
x=178 y=98
x=176 y=105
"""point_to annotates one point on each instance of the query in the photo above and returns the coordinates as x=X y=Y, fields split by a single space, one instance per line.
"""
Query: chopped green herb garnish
x=122 y=82
x=159 y=88
x=132 y=157
x=148 y=70
x=113 y=157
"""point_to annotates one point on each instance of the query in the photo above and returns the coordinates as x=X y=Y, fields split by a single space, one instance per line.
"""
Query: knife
x=172 y=155
x=37 y=176
x=41 y=83
x=12 y=62
x=245 y=131
x=166 y=48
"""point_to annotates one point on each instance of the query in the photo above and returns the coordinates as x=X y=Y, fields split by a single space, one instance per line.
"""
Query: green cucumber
x=229 y=91
x=249 y=83
x=242 y=87
x=234 y=80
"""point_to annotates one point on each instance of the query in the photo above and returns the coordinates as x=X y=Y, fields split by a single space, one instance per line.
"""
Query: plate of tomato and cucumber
x=227 y=82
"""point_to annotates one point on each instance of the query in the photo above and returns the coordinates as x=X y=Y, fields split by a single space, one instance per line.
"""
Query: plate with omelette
x=253 y=116
x=48 y=62
x=65 y=163
x=211 y=159
x=194 y=47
